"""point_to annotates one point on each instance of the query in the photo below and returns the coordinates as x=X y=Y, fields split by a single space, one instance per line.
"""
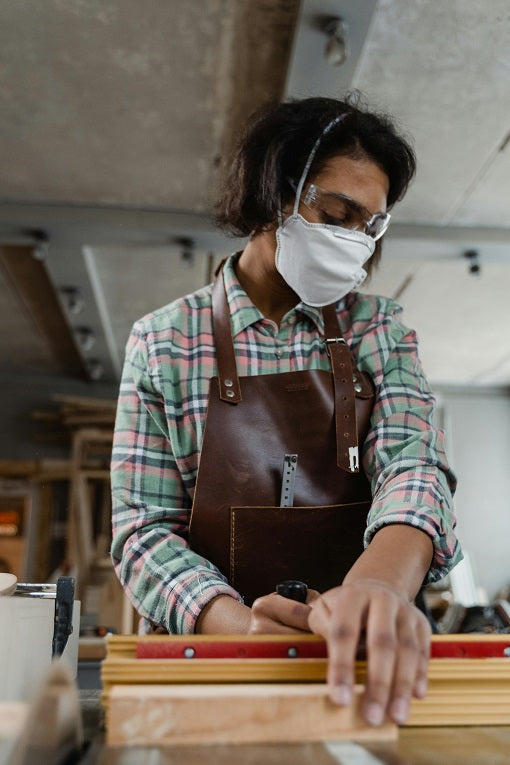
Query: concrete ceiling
x=116 y=118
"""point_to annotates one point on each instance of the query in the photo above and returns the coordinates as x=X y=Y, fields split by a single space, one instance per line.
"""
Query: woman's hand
x=273 y=613
x=397 y=638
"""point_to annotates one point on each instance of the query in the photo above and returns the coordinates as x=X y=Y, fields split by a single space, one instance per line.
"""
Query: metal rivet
x=189 y=652
x=230 y=393
x=229 y=383
x=346 y=435
x=358 y=388
x=354 y=378
x=292 y=652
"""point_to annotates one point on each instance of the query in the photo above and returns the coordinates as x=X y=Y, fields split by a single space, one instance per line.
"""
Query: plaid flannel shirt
x=162 y=406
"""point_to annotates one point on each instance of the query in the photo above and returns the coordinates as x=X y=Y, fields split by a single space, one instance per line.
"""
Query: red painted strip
x=470 y=649
x=188 y=648
x=231 y=650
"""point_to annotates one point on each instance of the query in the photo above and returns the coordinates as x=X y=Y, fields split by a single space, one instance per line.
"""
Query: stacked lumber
x=70 y=413
x=469 y=684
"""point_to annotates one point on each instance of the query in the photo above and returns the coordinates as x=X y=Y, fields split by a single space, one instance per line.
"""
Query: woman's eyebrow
x=356 y=205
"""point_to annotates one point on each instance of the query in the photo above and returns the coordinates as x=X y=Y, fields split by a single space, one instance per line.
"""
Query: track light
x=187 y=253
x=95 y=369
x=73 y=299
x=473 y=256
x=336 y=50
x=86 y=337
x=42 y=243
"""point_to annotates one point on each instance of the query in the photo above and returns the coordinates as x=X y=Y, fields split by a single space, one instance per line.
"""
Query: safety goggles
x=340 y=210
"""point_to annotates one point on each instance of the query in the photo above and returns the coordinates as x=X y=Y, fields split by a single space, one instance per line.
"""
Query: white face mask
x=320 y=262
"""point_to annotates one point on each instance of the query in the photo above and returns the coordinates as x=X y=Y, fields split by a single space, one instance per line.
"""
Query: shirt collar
x=313 y=313
x=243 y=312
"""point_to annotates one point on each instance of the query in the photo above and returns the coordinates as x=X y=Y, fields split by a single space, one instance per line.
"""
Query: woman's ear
x=269 y=227
x=288 y=209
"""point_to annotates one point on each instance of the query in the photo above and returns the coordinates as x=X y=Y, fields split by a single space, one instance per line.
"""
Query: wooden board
x=234 y=714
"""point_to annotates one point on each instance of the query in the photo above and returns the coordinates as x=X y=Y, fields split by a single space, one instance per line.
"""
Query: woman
x=319 y=460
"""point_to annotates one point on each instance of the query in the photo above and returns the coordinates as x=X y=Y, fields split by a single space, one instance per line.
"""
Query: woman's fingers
x=424 y=633
x=311 y=596
x=382 y=645
x=337 y=615
x=272 y=614
x=397 y=642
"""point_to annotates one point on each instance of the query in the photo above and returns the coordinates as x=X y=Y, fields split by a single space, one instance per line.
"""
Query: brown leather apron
x=238 y=521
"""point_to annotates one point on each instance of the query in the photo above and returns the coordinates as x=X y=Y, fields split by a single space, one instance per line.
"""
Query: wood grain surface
x=233 y=714
x=415 y=746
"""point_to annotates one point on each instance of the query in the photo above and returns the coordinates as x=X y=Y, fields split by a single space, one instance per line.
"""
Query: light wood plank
x=206 y=714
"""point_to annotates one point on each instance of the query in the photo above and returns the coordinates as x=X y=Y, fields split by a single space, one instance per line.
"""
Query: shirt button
x=278 y=353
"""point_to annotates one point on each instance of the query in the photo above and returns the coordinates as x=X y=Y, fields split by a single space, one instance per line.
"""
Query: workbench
x=469 y=745
x=444 y=746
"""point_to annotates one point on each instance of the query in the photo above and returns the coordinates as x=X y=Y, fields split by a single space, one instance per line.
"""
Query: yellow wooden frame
x=461 y=691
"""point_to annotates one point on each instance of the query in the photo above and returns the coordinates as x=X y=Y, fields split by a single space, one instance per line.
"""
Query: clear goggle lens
x=340 y=210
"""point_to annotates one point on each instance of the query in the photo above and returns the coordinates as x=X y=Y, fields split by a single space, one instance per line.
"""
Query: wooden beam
x=30 y=281
x=261 y=46
x=85 y=402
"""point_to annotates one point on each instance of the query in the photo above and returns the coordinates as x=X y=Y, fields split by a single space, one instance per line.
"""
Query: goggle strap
x=312 y=154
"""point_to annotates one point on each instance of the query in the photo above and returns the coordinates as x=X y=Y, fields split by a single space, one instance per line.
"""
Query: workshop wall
x=477 y=426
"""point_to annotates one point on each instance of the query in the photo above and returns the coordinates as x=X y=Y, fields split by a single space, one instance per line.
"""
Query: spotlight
x=473 y=257
x=86 y=337
x=336 y=50
x=73 y=299
x=95 y=369
x=42 y=241
x=187 y=246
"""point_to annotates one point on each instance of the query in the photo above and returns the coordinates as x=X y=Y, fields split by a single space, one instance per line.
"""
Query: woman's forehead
x=359 y=178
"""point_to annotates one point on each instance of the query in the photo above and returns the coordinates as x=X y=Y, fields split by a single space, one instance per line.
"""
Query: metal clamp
x=63 y=622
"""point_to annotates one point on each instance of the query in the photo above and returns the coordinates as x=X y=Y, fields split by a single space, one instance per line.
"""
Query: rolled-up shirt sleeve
x=404 y=454
x=167 y=583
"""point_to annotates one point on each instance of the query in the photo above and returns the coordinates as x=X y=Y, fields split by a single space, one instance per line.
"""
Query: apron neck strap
x=347 y=450
x=230 y=390
x=331 y=323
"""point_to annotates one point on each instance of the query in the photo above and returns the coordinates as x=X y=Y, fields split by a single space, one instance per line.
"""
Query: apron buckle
x=354 y=459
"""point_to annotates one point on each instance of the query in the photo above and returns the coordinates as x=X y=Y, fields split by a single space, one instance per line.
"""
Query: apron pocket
x=317 y=545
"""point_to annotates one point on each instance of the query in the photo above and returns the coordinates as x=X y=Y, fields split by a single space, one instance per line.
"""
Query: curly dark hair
x=276 y=143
